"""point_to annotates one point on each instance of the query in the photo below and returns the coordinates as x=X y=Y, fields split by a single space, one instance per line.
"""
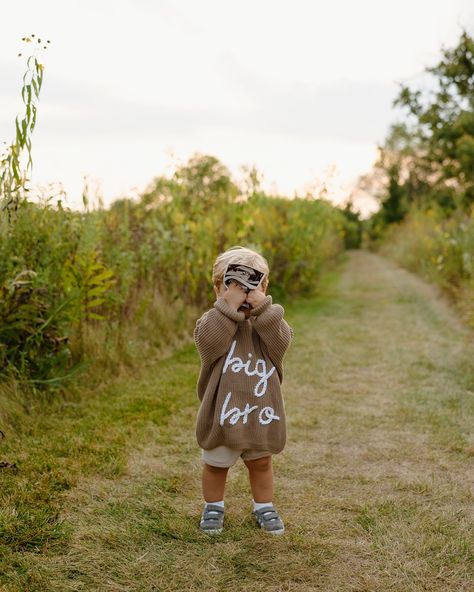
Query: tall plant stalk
x=13 y=174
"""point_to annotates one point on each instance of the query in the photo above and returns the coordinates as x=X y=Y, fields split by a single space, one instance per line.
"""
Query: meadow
x=99 y=468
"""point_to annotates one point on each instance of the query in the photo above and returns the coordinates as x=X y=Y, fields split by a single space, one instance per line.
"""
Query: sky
x=300 y=89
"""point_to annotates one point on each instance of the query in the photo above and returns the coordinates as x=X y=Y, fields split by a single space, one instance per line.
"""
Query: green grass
x=68 y=439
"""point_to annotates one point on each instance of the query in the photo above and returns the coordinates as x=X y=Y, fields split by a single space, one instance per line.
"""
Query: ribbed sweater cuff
x=224 y=307
x=262 y=306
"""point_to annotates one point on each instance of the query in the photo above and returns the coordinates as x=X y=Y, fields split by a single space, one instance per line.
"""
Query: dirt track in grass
x=375 y=484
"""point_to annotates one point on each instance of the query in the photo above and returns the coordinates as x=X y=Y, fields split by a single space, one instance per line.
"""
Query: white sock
x=259 y=505
x=221 y=504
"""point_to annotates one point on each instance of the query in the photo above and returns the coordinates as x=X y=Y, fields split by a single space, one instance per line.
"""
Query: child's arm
x=272 y=328
x=215 y=330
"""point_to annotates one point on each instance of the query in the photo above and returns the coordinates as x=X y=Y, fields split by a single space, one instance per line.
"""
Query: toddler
x=241 y=343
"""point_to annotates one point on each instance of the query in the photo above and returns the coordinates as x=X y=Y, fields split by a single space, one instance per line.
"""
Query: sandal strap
x=215 y=509
x=265 y=510
x=269 y=516
x=206 y=517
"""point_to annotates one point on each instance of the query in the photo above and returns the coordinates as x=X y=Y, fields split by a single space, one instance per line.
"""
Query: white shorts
x=223 y=456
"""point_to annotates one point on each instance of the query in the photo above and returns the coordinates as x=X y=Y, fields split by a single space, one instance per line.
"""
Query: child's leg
x=213 y=482
x=214 y=473
x=261 y=478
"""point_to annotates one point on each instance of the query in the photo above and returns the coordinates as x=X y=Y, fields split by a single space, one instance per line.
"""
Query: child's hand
x=255 y=297
x=234 y=295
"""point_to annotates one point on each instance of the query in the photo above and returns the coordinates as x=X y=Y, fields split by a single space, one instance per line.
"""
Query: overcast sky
x=301 y=89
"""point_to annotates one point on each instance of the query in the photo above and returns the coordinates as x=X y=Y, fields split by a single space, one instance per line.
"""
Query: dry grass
x=375 y=484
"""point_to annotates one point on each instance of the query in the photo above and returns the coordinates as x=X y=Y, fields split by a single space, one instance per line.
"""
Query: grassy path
x=375 y=485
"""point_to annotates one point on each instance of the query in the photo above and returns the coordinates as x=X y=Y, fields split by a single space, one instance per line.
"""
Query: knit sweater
x=241 y=373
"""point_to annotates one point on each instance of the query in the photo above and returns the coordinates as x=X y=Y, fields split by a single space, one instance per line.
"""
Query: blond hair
x=239 y=255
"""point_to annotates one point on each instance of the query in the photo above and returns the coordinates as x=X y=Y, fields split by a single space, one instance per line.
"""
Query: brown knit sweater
x=241 y=372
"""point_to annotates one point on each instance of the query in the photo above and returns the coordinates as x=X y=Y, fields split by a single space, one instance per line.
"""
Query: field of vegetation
x=99 y=469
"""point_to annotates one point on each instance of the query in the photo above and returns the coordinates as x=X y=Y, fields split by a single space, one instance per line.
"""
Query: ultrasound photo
x=247 y=277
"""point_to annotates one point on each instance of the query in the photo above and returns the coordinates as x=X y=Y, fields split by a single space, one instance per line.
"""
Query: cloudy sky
x=302 y=89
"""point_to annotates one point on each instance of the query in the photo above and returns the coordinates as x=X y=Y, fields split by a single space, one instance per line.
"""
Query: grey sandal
x=269 y=520
x=212 y=519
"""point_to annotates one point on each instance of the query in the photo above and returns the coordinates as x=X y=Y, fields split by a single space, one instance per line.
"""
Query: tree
x=443 y=130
